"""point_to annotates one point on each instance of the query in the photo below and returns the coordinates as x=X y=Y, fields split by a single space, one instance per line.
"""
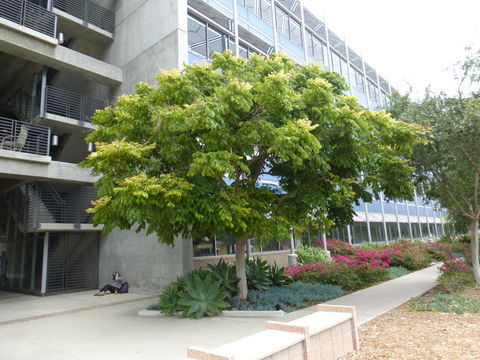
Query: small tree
x=449 y=165
x=186 y=157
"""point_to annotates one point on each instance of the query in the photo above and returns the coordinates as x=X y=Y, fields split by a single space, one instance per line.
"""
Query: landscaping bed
x=405 y=334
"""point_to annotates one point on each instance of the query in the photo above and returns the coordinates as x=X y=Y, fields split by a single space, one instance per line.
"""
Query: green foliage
x=371 y=246
x=162 y=153
x=202 y=297
x=312 y=255
x=412 y=259
x=396 y=271
x=277 y=276
x=445 y=303
x=169 y=298
x=349 y=278
x=226 y=275
x=258 y=273
x=293 y=297
x=453 y=281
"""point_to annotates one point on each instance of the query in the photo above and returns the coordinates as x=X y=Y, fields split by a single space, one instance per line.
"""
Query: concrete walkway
x=80 y=326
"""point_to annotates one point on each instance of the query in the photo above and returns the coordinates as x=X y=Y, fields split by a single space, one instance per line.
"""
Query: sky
x=410 y=42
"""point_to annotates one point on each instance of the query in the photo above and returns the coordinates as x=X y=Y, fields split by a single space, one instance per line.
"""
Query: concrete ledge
x=63 y=123
x=18 y=155
x=329 y=334
x=68 y=227
x=88 y=28
x=27 y=31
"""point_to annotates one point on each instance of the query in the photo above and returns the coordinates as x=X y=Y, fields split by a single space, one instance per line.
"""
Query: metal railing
x=71 y=105
x=89 y=12
x=30 y=15
x=24 y=137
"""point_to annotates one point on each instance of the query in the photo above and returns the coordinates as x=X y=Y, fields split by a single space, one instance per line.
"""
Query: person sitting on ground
x=118 y=281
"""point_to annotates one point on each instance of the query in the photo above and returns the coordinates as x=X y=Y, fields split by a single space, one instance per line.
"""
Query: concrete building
x=62 y=59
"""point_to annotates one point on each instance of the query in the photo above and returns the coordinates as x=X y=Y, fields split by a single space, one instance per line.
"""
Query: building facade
x=60 y=60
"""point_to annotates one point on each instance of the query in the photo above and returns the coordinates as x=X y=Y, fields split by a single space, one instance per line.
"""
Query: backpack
x=124 y=288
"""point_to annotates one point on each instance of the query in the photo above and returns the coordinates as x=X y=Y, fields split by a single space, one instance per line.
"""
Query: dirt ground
x=404 y=334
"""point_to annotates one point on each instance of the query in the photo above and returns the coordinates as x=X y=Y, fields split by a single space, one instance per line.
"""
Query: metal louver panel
x=72 y=262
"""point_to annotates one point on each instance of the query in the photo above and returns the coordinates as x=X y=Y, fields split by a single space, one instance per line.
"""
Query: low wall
x=272 y=257
x=329 y=333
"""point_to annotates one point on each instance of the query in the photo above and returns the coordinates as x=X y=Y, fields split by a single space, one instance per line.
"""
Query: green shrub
x=202 y=297
x=257 y=271
x=465 y=239
x=226 y=275
x=293 y=297
x=349 y=278
x=312 y=255
x=445 y=303
x=438 y=251
x=412 y=259
x=371 y=246
x=397 y=271
x=453 y=281
x=277 y=276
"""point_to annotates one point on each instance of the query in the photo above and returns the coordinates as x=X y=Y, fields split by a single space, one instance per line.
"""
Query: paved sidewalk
x=377 y=300
x=80 y=326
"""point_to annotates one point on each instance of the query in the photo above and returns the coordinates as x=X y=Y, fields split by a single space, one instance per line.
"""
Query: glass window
x=308 y=37
x=197 y=37
x=266 y=9
x=203 y=246
x=282 y=22
x=295 y=33
x=318 y=51
x=215 y=41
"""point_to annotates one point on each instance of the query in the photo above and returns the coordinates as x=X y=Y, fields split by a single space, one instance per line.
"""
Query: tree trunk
x=241 y=243
x=474 y=249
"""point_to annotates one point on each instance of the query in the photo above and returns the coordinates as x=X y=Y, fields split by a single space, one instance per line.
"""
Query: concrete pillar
x=43 y=288
x=399 y=228
x=383 y=218
x=368 y=223
x=418 y=214
x=274 y=25
x=349 y=234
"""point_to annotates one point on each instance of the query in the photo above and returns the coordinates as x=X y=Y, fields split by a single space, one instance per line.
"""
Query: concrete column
x=302 y=26
x=349 y=234
x=435 y=222
x=365 y=79
x=43 y=288
x=383 y=218
x=368 y=223
x=418 y=214
x=399 y=228
x=34 y=263
x=328 y=61
x=235 y=28
x=349 y=80
x=324 y=239
x=409 y=222
x=274 y=25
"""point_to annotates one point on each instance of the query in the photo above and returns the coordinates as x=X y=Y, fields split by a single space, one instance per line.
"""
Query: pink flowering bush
x=455 y=264
x=348 y=277
x=456 y=275
x=337 y=247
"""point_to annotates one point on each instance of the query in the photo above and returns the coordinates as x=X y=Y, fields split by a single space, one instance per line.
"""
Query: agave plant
x=202 y=297
x=226 y=275
x=169 y=298
x=277 y=276
x=257 y=272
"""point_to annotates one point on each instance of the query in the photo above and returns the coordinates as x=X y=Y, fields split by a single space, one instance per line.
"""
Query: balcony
x=88 y=12
x=55 y=107
x=22 y=137
x=30 y=15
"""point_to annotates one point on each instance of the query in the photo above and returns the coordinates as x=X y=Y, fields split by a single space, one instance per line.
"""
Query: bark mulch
x=404 y=334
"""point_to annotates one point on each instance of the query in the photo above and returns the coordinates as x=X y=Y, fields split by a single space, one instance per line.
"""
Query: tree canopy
x=449 y=164
x=188 y=156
